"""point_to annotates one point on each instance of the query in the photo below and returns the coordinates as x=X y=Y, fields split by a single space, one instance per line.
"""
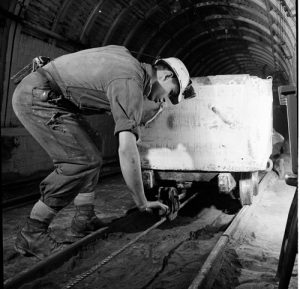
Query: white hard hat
x=181 y=73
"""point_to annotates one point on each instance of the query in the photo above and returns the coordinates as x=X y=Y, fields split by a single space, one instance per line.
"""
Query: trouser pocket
x=44 y=95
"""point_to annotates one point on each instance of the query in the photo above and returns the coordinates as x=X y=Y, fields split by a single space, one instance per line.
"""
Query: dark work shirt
x=110 y=75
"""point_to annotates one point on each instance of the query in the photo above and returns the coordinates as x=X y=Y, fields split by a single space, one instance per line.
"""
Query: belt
x=54 y=86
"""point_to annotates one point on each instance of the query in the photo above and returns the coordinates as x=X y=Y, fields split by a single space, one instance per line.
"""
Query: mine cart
x=223 y=132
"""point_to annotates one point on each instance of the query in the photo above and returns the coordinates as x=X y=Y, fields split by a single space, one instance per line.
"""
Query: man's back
x=95 y=68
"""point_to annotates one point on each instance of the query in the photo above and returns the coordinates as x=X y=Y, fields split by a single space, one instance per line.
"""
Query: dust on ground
x=172 y=255
x=168 y=257
x=251 y=259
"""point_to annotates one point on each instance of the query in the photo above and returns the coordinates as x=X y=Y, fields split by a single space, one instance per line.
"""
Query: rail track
x=152 y=253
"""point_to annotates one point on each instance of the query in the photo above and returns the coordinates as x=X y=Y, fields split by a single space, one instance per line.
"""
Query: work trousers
x=64 y=134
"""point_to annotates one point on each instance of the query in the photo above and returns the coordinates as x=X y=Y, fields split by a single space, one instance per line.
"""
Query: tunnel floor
x=250 y=259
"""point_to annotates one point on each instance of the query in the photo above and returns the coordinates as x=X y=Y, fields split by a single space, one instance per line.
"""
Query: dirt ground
x=253 y=254
x=168 y=257
x=171 y=255
x=112 y=202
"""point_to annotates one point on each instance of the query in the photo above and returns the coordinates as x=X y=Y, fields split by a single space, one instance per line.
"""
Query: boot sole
x=26 y=253
x=79 y=235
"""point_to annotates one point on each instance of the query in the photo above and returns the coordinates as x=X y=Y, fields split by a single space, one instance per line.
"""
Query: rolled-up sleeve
x=126 y=102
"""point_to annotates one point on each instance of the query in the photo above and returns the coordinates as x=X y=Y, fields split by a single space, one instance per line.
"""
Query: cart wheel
x=269 y=165
x=248 y=187
x=255 y=181
x=246 y=192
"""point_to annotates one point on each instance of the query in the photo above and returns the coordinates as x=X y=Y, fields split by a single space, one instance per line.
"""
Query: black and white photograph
x=149 y=144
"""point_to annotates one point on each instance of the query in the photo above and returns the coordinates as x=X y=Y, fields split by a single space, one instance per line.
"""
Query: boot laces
x=51 y=239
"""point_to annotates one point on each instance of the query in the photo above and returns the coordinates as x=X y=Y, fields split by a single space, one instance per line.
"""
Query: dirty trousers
x=65 y=136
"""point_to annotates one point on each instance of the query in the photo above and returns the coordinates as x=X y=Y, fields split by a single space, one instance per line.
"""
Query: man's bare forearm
x=131 y=167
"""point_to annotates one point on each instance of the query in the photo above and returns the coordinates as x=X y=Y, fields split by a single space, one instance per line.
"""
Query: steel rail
x=55 y=260
x=206 y=268
x=209 y=270
x=93 y=269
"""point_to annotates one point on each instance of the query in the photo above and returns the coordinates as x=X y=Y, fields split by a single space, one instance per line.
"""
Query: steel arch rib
x=253 y=43
x=61 y=13
x=266 y=59
x=250 y=21
x=89 y=22
x=112 y=27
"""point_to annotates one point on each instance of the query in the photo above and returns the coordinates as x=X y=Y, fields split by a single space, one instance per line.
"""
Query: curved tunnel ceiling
x=211 y=37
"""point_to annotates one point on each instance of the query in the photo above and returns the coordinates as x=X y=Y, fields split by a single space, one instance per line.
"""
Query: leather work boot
x=85 y=221
x=34 y=240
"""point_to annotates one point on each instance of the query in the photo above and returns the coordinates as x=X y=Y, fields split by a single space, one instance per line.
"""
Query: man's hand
x=149 y=206
x=131 y=169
